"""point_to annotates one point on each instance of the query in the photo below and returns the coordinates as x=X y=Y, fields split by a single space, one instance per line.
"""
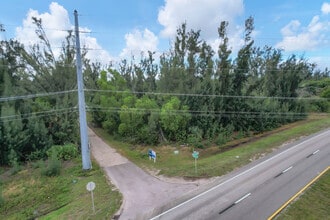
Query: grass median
x=314 y=203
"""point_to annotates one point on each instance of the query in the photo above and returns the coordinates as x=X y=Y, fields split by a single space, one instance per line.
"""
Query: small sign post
x=195 y=156
x=90 y=187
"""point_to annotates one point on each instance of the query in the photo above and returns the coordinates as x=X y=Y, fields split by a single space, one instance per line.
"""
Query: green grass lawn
x=314 y=203
x=212 y=161
x=28 y=194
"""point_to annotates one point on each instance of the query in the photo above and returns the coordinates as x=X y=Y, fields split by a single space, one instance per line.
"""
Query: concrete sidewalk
x=143 y=193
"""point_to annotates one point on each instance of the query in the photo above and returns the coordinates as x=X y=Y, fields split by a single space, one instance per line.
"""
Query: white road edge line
x=287 y=169
x=315 y=152
x=241 y=199
x=238 y=175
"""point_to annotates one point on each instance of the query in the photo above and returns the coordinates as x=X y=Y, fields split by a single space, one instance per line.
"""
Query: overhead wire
x=30 y=96
x=205 y=95
x=202 y=113
x=4 y=99
x=18 y=117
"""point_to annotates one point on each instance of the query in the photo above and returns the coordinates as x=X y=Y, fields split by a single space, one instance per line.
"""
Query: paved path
x=143 y=193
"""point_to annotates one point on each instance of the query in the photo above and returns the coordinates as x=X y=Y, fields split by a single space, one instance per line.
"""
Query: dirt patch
x=179 y=180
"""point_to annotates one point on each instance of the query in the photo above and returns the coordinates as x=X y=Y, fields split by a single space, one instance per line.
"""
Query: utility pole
x=85 y=153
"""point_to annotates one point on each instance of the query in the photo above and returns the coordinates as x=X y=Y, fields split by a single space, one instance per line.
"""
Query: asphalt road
x=142 y=192
x=259 y=189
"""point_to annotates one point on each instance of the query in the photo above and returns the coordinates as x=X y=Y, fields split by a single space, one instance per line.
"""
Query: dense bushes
x=188 y=94
x=56 y=154
x=53 y=167
x=63 y=152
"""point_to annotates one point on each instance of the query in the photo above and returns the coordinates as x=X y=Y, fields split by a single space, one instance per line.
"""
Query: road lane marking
x=315 y=152
x=278 y=175
x=287 y=169
x=226 y=208
x=241 y=199
x=297 y=194
x=284 y=171
x=235 y=203
x=238 y=175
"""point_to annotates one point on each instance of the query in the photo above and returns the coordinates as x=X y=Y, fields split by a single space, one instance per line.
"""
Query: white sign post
x=90 y=187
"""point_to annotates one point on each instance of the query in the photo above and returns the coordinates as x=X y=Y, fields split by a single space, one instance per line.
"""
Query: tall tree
x=240 y=76
x=223 y=77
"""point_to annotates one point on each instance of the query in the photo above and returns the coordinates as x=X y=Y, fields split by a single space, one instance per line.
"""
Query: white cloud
x=325 y=8
x=139 y=41
x=205 y=16
x=198 y=14
x=291 y=28
x=321 y=61
x=56 y=22
x=299 y=38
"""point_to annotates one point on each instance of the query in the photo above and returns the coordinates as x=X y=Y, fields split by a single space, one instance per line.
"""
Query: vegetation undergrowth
x=28 y=194
x=214 y=161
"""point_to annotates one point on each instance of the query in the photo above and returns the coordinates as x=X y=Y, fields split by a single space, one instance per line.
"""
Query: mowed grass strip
x=214 y=161
x=314 y=203
x=30 y=195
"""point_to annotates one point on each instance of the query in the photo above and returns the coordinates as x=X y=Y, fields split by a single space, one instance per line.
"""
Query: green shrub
x=326 y=92
x=195 y=137
x=37 y=155
x=38 y=164
x=2 y=200
x=15 y=168
x=13 y=161
x=65 y=152
x=221 y=139
x=54 y=165
x=200 y=145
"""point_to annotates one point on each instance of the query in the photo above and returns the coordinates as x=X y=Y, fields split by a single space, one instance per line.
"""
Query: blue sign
x=152 y=155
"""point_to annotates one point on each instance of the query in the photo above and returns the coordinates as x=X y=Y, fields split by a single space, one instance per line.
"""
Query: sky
x=114 y=30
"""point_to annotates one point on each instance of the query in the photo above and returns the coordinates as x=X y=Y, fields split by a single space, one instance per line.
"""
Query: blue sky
x=120 y=29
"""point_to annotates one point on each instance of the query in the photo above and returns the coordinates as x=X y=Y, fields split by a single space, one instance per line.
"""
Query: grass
x=314 y=203
x=213 y=161
x=29 y=195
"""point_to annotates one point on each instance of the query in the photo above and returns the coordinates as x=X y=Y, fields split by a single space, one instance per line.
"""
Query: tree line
x=191 y=94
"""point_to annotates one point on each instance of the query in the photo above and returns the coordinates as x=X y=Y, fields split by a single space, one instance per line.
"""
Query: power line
x=252 y=70
x=155 y=110
x=40 y=114
x=263 y=114
x=207 y=95
x=44 y=28
x=13 y=98
x=30 y=96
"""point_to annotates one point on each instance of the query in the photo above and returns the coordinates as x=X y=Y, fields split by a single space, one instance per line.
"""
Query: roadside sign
x=152 y=155
x=90 y=187
x=195 y=154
